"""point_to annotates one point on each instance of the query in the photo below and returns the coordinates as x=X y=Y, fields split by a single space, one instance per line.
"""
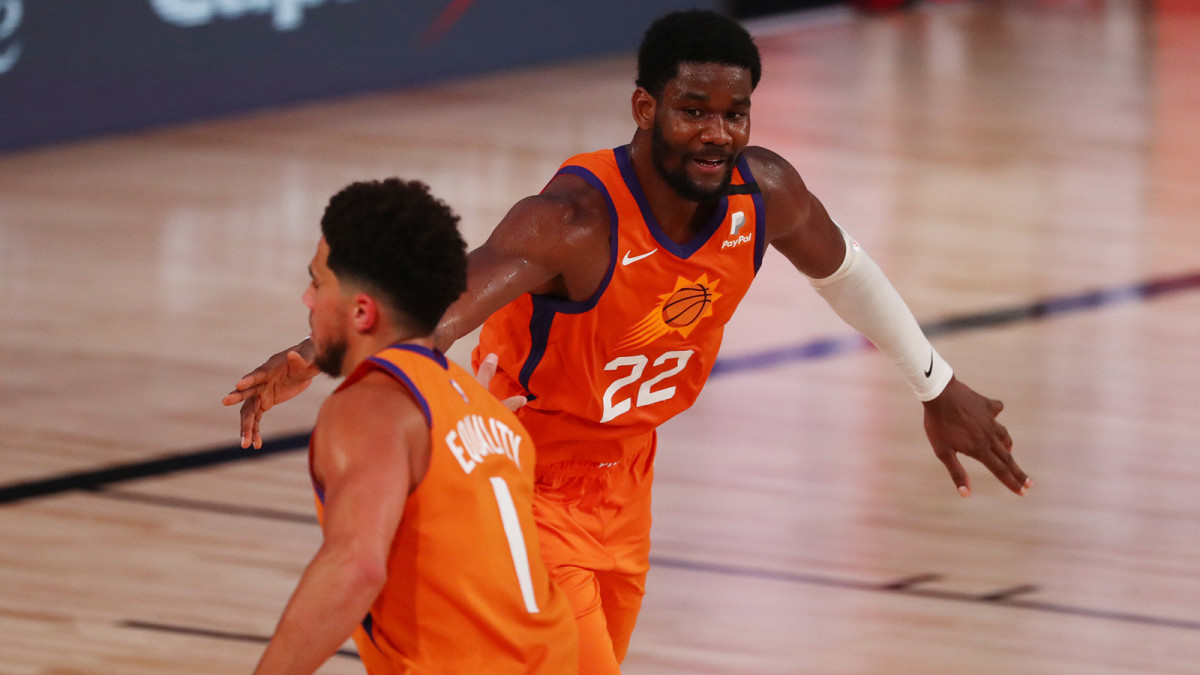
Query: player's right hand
x=282 y=377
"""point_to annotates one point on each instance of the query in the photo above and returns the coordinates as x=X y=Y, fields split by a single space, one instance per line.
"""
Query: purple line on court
x=1087 y=300
x=817 y=349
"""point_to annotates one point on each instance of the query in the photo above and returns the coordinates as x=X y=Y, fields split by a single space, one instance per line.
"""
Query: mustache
x=713 y=155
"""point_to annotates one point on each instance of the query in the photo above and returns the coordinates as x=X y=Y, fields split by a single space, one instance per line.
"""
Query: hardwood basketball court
x=1027 y=172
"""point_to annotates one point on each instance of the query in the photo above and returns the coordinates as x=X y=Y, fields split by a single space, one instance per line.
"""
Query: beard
x=677 y=178
x=329 y=357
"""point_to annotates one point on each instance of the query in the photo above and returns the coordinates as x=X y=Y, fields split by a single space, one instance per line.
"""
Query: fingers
x=250 y=385
x=514 y=403
x=487 y=369
x=243 y=394
x=247 y=426
x=973 y=430
x=251 y=418
x=1017 y=480
x=999 y=460
x=255 y=379
x=252 y=378
x=259 y=389
x=1004 y=437
x=297 y=364
x=258 y=430
x=957 y=473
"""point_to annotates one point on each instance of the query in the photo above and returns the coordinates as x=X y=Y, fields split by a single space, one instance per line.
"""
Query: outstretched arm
x=957 y=419
x=544 y=244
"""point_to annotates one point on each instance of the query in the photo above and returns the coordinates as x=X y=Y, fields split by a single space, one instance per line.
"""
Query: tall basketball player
x=578 y=291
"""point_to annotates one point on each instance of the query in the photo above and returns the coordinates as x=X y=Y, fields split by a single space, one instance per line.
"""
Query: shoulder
x=561 y=234
x=775 y=175
x=788 y=202
x=370 y=439
x=797 y=224
x=375 y=407
x=569 y=207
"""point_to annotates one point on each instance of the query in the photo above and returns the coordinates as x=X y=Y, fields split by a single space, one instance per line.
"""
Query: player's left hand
x=487 y=369
x=961 y=421
x=281 y=377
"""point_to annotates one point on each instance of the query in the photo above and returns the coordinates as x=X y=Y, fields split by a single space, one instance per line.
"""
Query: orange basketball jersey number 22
x=674 y=361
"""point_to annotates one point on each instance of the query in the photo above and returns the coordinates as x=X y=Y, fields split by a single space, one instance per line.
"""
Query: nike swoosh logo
x=632 y=259
x=930 y=370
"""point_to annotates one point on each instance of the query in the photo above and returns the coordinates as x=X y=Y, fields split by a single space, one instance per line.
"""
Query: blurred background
x=70 y=70
x=1027 y=172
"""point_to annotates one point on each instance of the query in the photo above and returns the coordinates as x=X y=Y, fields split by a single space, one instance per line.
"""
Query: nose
x=716 y=131
x=308 y=297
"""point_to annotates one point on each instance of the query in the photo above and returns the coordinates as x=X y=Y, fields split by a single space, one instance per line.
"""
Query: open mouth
x=710 y=163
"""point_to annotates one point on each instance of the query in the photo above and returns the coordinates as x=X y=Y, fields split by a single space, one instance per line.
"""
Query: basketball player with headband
x=604 y=298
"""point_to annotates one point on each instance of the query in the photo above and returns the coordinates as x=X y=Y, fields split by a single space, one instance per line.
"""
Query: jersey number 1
x=516 y=541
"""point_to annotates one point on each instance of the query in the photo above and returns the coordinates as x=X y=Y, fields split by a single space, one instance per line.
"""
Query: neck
x=367 y=346
x=678 y=217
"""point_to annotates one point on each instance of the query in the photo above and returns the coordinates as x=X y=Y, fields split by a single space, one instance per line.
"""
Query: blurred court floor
x=1027 y=172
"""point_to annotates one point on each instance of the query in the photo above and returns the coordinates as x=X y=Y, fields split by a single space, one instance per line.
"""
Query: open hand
x=961 y=421
x=282 y=377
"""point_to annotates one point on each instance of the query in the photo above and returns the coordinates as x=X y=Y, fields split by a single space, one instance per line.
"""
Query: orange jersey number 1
x=516 y=541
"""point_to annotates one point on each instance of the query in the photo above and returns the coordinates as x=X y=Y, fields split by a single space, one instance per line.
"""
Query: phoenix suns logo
x=678 y=311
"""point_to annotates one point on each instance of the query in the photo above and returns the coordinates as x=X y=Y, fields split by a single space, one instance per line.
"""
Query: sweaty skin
x=557 y=244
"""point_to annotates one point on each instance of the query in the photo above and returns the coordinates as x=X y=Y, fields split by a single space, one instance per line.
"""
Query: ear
x=644 y=108
x=364 y=313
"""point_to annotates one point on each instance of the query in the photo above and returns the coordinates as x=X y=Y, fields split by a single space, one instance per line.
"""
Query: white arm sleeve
x=863 y=297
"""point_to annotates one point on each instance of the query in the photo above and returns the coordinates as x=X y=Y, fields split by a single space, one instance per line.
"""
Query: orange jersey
x=466 y=588
x=617 y=365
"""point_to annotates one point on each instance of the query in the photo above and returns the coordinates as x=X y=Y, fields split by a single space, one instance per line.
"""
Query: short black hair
x=696 y=36
x=402 y=243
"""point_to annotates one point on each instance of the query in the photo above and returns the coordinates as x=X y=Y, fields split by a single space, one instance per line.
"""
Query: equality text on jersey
x=475 y=438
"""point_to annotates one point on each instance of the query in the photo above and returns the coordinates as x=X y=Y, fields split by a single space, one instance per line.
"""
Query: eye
x=692 y=112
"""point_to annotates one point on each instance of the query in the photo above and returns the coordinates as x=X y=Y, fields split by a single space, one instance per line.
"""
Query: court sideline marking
x=98 y=481
x=816 y=349
x=914 y=586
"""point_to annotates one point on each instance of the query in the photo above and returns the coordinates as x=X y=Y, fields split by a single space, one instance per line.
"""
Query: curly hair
x=697 y=36
x=401 y=242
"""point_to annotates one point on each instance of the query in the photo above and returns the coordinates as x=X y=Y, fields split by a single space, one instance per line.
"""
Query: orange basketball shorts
x=594 y=527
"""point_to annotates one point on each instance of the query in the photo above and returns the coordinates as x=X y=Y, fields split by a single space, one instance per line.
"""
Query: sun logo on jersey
x=678 y=311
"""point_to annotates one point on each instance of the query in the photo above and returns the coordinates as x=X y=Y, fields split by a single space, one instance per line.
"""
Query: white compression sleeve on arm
x=863 y=297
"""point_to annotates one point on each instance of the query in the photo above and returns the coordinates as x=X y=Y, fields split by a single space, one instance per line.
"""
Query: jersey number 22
x=646 y=393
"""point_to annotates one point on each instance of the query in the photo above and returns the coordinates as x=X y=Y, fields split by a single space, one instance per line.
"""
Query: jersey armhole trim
x=760 y=211
x=395 y=371
x=571 y=306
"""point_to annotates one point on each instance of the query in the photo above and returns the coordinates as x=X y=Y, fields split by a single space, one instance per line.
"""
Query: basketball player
x=605 y=298
x=423 y=479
